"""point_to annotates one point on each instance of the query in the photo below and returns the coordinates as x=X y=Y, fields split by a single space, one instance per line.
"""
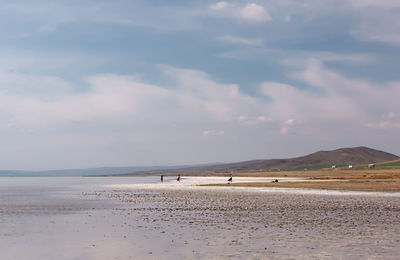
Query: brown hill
x=343 y=156
x=321 y=159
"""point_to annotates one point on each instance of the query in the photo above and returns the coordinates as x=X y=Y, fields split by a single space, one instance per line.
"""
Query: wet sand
x=237 y=223
x=123 y=218
x=372 y=185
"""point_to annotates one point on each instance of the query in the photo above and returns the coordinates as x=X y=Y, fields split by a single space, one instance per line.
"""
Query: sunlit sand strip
x=195 y=181
x=192 y=183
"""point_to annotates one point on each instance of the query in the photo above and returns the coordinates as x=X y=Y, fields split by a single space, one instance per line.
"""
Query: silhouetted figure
x=179 y=178
x=162 y=178
x=230 y=179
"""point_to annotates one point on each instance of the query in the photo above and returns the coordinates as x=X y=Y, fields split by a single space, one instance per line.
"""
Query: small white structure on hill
x=371 y=165
x=333 y=166
x=350 y=166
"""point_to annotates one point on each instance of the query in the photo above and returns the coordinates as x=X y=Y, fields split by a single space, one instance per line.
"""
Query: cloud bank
x=81 y=84
x=122 y=109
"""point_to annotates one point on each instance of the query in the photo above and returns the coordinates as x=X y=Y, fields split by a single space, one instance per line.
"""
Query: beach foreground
x=239 y=223
x=133 y=218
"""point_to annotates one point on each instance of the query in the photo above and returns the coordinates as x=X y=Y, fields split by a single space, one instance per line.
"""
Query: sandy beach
x=141 y=218
x=381 y=182
x=195 y=222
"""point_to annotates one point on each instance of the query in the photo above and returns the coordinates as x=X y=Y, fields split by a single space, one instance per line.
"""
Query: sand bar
x=256 y=184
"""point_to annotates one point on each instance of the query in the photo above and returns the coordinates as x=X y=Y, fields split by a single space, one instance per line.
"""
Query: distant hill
x=343 y=156
x=317 y=160
x=101 y=171
x=84 y=172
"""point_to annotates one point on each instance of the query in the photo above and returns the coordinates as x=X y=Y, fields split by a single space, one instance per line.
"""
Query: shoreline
x=369 y=180
x=291 y=185
x=333 y=185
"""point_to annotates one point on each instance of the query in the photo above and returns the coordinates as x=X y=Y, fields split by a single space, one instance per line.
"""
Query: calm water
x=49 y=218
x=38 y=194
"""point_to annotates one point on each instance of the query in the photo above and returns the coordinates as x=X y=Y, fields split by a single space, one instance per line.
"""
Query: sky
x=137 y=83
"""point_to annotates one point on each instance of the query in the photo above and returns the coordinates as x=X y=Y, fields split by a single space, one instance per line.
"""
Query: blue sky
x=118 y=83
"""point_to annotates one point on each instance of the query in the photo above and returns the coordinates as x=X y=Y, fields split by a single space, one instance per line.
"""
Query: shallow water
x=44 y=217
x=139 y=218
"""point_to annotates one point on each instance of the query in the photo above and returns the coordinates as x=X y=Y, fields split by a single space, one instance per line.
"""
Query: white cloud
x=289 y=121
x=207 y=132
x=291 y=103
x=121 y=119
x=380 y=27
x=253 y=120
x=366 y=20
x=15 y=82
x=223 y=102
x=213 y=132
x=334 y=98
x=356 y=58
x=250 y=12
x=219 y=6
x=286 y=126
x=121 y=113
x=240 y=40
x=255 y=13
x=43 y=102
x=111 y=97
x=124 y=99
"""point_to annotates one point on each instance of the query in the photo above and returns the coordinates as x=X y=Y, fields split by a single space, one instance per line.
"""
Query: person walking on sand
x=230 y=179
x=179 y=178
x=162 y=178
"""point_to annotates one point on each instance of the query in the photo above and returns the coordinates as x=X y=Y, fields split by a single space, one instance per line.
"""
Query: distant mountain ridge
x=81 y=172
x=100 y=171
x=342 y=156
